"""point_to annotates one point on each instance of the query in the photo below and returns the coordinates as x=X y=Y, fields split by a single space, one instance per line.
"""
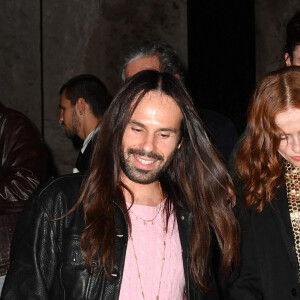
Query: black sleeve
x=245 y=282
x=34 y=254
x=22 y=161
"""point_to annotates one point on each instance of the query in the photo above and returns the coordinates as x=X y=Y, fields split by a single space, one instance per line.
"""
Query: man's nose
x=61 y=118
x=149 y=143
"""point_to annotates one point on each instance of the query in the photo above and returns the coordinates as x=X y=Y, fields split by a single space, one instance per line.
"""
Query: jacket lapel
x=184 y=221
x=282 y=217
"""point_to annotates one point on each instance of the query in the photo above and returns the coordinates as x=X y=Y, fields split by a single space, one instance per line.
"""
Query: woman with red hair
x=268 y=172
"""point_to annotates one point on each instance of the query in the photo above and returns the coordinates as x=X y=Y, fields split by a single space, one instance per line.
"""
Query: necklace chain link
x=164 y=249
x=160 y=205
x=292 y=177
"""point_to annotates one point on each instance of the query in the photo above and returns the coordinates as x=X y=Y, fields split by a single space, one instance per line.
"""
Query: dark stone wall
x=44 y=43
x=20 y=76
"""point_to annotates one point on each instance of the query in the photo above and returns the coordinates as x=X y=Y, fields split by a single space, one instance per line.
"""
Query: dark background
x=221 y=56
x=227 y=46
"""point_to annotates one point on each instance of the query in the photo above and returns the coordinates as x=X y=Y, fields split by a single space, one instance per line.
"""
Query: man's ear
x=287 y=59
x=180 y=143
x=81 y=106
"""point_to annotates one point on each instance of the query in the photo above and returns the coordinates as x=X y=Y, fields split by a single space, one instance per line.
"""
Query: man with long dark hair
x=149 y=221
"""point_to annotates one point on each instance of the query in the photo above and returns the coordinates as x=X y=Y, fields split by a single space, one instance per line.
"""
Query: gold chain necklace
x=163 y=258
x=160 y=205
x=162 y=264
x=292 y=177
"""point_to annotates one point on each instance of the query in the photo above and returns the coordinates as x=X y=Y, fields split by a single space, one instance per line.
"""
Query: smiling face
x=150 y=138
x=289 y=122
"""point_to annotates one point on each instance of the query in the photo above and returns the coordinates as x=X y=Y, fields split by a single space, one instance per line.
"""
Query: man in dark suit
x=83 y=101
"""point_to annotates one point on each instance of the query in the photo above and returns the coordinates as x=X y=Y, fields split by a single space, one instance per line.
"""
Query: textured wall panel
x=20 y=57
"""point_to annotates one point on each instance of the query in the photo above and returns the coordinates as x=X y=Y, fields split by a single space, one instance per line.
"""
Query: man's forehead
x=152 y=96
x=63 y=99
x=156 y=105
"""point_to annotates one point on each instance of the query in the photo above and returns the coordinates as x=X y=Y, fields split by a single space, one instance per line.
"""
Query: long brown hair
x=258 y=163
x=196 y=180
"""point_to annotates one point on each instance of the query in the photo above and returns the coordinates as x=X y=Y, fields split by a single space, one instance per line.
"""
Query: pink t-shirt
x=148 y=241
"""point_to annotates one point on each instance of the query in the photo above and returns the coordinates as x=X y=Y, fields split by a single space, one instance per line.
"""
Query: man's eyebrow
x=137 y=123
x=160 y=129
x=168 y=129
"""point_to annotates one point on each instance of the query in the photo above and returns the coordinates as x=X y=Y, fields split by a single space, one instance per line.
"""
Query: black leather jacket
x=46 y=262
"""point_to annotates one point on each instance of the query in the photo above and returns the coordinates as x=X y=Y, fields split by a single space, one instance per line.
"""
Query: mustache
x=141 y=152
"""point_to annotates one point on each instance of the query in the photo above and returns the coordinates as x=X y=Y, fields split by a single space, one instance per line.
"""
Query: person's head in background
x=152 y=55
x=83 y=101
x=292 y=45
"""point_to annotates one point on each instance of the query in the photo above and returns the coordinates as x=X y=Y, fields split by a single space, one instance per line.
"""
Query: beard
x=141 y=175
x=73 y=131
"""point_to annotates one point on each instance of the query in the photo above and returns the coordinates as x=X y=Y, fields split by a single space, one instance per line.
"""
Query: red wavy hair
x=258 y=163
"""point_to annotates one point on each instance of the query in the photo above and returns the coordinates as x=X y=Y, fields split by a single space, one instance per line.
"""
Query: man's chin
x=70 y=135
x=142 y=171
x=143 y=180
x=143 y=176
